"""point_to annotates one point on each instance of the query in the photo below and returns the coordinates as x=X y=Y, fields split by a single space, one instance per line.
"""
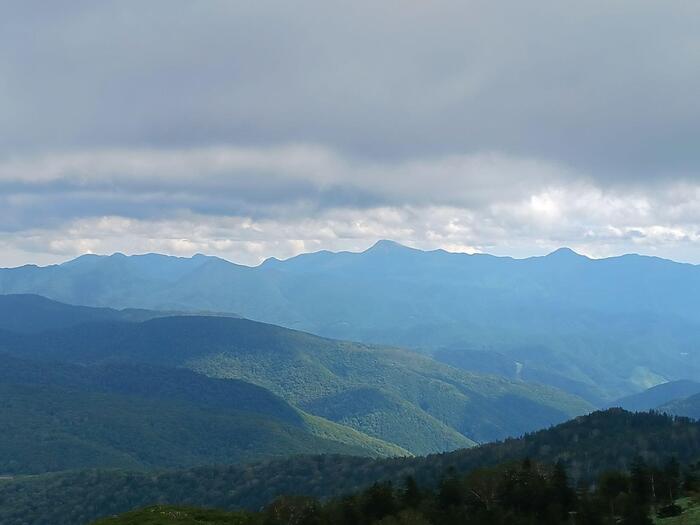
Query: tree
x=640 y=481
x=610 y=486
x=450 y=491
x=561 y=492
x=672 y=479
x=293 y=510
x=378 y=501
x=411 y=495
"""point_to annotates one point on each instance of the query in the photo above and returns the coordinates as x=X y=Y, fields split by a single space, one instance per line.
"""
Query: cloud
x=246 y=204
x=261 y=181
x=609 y=88
x=256 y=128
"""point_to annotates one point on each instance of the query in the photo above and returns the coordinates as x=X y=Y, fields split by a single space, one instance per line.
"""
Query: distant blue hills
x=598 y=328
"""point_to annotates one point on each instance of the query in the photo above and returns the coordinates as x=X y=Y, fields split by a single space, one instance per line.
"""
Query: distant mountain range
x=659 y=396
x=600 y=329
x=686 y=407
x=392 y=397
x=677 y=398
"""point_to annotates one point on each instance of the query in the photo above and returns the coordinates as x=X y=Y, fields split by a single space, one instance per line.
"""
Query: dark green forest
x=402 y=398
x=511 y=494
x=58 y=416
x=585 y=447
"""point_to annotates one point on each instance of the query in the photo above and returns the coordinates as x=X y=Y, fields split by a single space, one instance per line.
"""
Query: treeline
x=586 y=447
x=523 y=493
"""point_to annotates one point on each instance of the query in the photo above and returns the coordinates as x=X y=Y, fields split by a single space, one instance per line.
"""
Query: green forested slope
x=51 y=429
x=381 y=413
x=321 y=375
x=586 y=446
x=513 y=493
x=59 y=416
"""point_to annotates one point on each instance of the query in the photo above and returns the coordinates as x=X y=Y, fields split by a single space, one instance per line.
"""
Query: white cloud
x=261 y=128
x=241 y=239
x=246 y=204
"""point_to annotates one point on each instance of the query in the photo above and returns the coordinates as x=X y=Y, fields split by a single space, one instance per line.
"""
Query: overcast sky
x=256 y=129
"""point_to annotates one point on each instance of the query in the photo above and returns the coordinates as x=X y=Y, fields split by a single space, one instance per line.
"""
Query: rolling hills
x=603 y=441
x=29 y=313
x=601 y=329
x=687 y=407
x=659 y=395
x=393 y=395
x=57 y=417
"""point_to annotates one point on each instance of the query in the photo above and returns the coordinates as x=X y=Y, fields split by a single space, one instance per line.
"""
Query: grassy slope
x=690 y=516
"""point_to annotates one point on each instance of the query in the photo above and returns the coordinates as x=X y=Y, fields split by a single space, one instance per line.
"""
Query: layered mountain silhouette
x=600 y=329
x=60 y=417
x=386 y=395
x=659 y=396
x=685 y=407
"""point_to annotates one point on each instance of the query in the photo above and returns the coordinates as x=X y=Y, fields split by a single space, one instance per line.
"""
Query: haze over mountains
x=599 y=329
x=403 y=399
x=503 y=347
x=685 y=407
x=502 y=379
x=659 y=396
x=442 y=352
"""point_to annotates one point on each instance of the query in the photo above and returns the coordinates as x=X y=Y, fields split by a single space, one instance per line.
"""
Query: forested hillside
x=57 y=417
x=26 y=313
x=394 y=395
x=586 y=447
x=509 y=494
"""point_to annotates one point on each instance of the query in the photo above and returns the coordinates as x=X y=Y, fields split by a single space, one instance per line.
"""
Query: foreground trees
x=523 y=493
x=512 y=494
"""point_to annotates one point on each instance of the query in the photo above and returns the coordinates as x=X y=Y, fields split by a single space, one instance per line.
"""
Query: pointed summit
x=564 y=252
x=387 y=246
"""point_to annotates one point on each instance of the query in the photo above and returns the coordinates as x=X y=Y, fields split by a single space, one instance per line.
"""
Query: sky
x=256 y=129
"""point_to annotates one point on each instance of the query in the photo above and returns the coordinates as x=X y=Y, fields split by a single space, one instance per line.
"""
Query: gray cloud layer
x=265 y=128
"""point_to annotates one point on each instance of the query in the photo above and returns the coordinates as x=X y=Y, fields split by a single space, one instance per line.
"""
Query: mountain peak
x=565 y=252
x=387 y=246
